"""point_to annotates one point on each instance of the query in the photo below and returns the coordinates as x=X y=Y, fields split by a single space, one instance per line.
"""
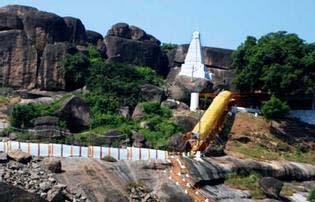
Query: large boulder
x=96 y=39
x=271 y=186
x=76 y=113
x=120 y=30
x=183 y=86
x=53 y=164
x=18 y=60
x=32 y=42
x=20 y=156
x=132 y=45
x=47 y=128
x=49 y=75
x=41 y=27
x=186 y=122
x=10 y=21
x=152 y=93
x=76 y=30
x=93 y=37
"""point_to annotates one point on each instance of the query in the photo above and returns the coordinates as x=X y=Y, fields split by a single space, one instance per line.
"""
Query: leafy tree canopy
x=278 y=63
x=75 y=69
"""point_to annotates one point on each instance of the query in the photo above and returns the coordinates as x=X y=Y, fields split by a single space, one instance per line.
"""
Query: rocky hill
x=33 y=42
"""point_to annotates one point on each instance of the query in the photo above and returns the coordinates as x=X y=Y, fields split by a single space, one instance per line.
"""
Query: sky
x=221 y=23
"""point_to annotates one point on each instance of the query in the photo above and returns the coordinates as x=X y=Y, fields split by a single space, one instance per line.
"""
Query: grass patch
x=4 y=100
x=287 y=191
x=24 y=136
x=246 y=182
x=259 y=152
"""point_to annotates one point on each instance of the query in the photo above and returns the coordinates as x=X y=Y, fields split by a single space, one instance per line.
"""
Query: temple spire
x=193 y=66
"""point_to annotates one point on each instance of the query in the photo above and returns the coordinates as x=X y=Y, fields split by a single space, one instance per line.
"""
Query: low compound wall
x=307 y=116
x=61 y=150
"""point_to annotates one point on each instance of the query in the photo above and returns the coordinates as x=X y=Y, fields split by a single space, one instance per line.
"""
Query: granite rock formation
x=93 y=37
x=31 y=44
x=130 y=44
x=217 y=60
x=76 y=114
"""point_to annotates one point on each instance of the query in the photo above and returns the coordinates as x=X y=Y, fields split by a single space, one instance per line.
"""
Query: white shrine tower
x=193 y=66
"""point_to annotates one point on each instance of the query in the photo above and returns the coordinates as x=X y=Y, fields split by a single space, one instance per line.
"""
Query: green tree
x=274 y=109
x=23 y=114
x=166 y=47
x=75 y=70
x=279 y=63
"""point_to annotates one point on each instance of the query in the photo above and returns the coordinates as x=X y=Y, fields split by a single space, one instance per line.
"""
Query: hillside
x=256 y=138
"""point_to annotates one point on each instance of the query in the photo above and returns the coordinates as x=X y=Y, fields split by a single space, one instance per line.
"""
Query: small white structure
x=194 y=101
x=193 y=66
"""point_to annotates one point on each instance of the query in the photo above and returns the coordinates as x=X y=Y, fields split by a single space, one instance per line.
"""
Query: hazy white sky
x=222 y=23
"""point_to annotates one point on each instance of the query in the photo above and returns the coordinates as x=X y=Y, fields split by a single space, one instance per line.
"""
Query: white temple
x=193 y=66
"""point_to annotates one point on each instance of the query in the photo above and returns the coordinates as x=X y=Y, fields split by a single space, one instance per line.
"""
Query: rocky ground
x=122 y=180
x=85 y=179
x=33 y=177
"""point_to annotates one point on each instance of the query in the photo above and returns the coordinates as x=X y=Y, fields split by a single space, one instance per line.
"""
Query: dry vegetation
x=256 y=138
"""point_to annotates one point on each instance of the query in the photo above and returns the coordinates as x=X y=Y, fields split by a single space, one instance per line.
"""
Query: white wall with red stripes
x=62 y=150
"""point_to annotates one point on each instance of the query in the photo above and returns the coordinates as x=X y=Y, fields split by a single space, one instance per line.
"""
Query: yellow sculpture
x=211 y=122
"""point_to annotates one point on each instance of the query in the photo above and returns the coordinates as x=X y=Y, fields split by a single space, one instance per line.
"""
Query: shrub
x=74 y=67
x=23 y=114
x=161 y=128
x=119 y=82
x=153 y=108
x=23 y=136
x=311 y=196
x=108 y=119
x=274 y=109
x=166 y=47
x=109 y=159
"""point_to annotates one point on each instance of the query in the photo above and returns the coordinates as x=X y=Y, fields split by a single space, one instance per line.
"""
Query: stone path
x=180 y=176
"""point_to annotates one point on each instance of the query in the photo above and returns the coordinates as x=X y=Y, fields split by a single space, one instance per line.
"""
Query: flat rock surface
x=104 y=181
x=216 y=168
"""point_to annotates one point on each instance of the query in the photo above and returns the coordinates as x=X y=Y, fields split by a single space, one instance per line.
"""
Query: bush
x=74 y=67
x=23 y=114
x=119 y=82
x=274 y=109
x=152 y=108
x=166 y=47
x=311 y=196
x=108 y=119
x=161 y=128
x=109 y=159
